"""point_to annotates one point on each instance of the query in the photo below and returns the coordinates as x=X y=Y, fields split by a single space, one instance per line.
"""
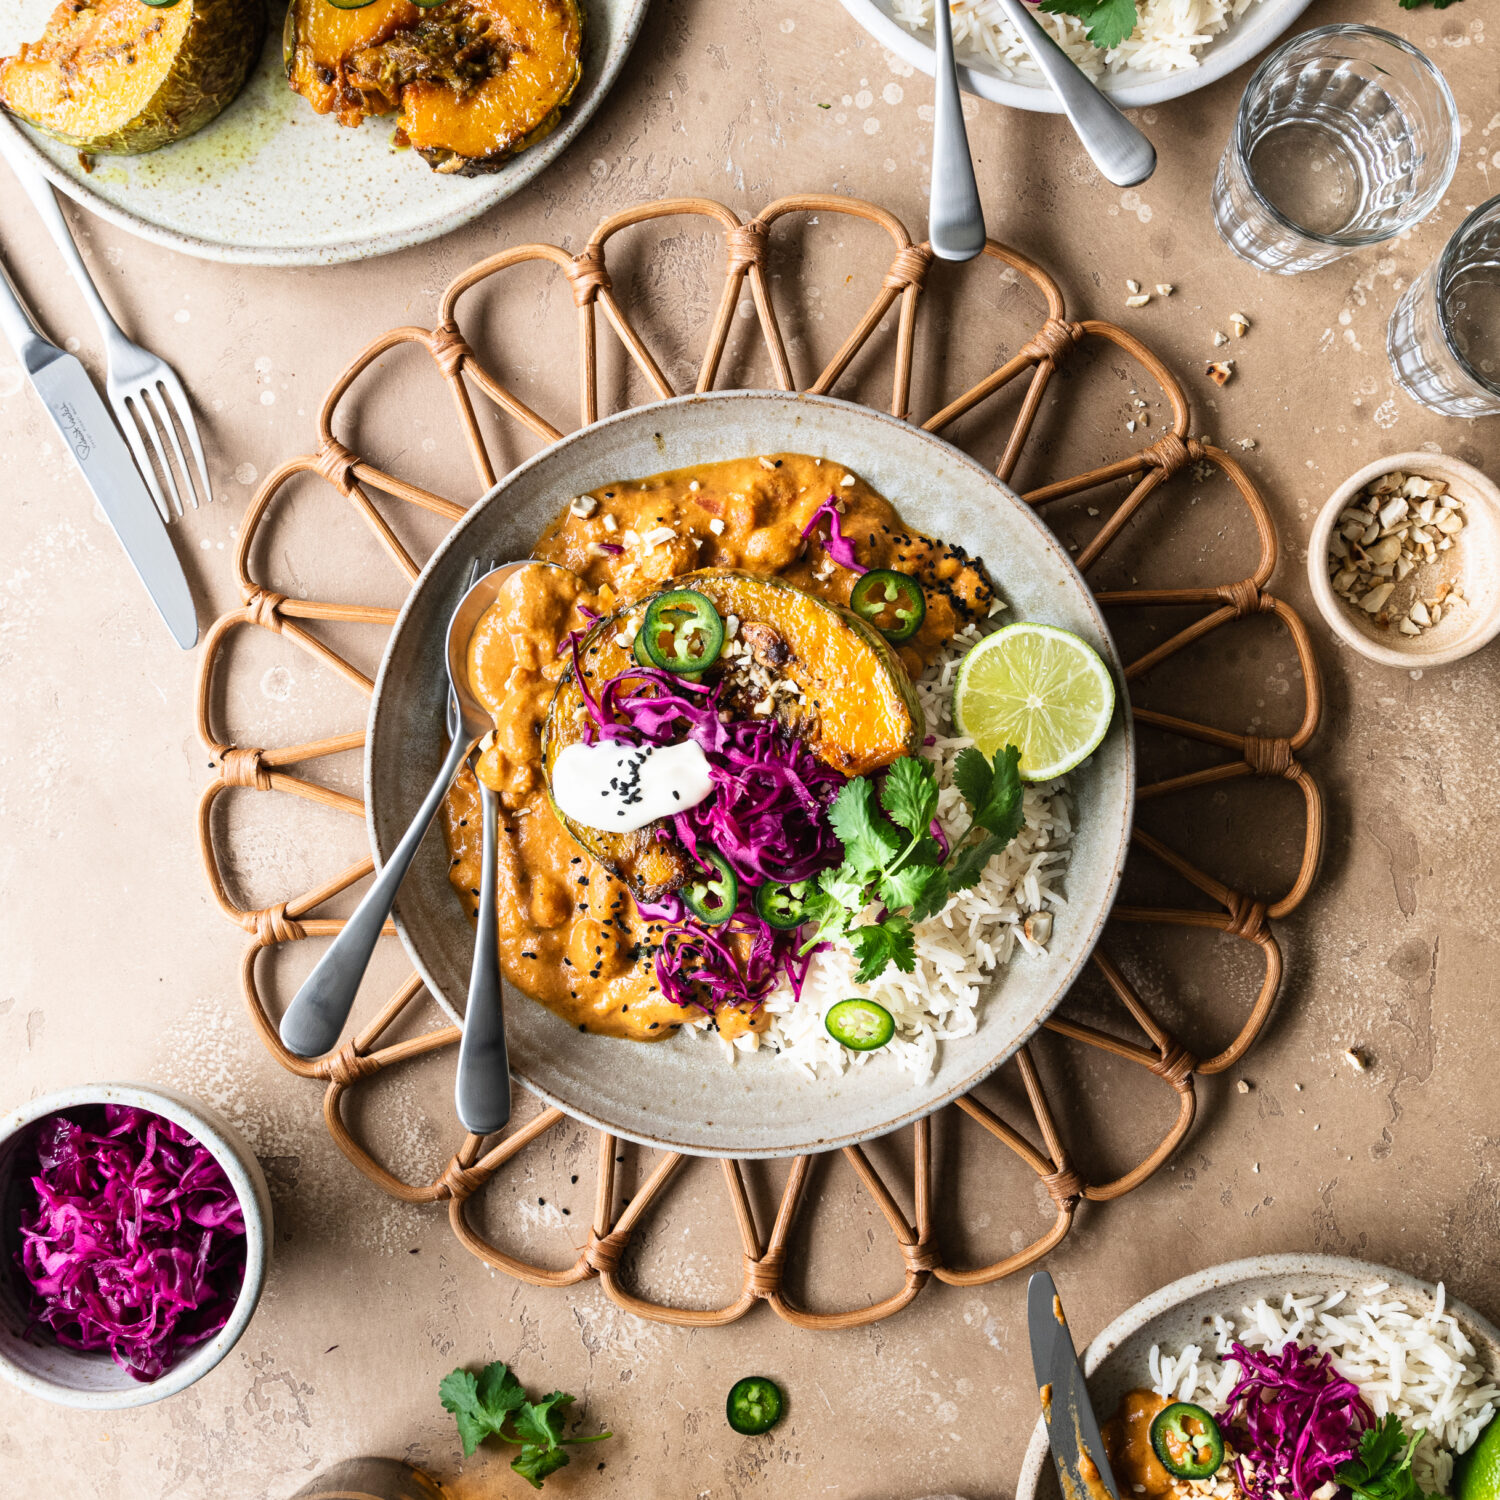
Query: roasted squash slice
x=117 y=77
x=472 y=82
x=857 y=710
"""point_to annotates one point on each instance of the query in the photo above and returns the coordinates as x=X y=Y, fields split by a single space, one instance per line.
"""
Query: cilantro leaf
x=970 y=861
x=993 y=790
x=540 y=1421
x=480 y=1404
x=878 y=945
x=1382 y=1471
x=915 y=886
x=910 y=793
x=870 y=843
x=1416 y=4
x=827 y=916
x=1106 y=23
x=535 y=1464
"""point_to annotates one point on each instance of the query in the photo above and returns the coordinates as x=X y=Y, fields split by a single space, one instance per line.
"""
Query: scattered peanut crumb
x=1356 y=1060
x=1242 y=1086
x=1132 y=287
x=1239 y=325
x=1164 y=288
x=1140 y=299
x=1221 y=371
x=1220 y=339
x=847 y=479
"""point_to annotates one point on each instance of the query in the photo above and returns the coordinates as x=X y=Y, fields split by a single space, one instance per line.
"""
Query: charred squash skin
x=119 y=77
x=857 y=712
x=472 y=82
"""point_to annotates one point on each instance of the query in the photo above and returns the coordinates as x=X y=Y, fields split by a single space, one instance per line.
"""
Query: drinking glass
x=371 y=1479
x=1444 y=337
x=1346 y=136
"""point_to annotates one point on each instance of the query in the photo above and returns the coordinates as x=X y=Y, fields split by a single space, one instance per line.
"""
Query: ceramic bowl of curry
x=582 y=1051
x=1117 y=1363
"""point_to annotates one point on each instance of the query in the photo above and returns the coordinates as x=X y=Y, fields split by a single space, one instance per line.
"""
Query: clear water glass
x=1346 y=136
x=1444 y=337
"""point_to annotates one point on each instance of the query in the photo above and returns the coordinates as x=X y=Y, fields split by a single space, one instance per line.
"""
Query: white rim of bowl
x=233 y=1153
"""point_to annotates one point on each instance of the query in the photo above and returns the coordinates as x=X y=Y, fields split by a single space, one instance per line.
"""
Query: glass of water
x=1346 y=136
x=1444 y=337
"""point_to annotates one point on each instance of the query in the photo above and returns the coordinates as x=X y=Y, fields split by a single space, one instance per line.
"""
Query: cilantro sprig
x=891 y=856
x=494 y=1404
x=1382 y=1468
x=1106 y=23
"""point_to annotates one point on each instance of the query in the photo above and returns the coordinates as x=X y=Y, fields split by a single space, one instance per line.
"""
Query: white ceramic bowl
x=683 y=1095
x=1130 y=88
x=1117 y=1361
x=94 y=1382
x=1461 y=631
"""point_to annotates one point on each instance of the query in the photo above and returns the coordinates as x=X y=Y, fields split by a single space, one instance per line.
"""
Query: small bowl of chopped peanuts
x=1404 y=560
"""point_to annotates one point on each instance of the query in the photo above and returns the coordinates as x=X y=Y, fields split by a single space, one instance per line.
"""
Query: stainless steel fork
x=148 y=400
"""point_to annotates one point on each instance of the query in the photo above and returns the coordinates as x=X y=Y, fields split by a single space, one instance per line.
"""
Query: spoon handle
x=482 y=1091
x=316 y=1016
x=1119 y=150
x=955 y=221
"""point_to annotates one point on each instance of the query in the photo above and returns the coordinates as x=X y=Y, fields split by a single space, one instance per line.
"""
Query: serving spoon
x=955 y=220
x=315 y=1018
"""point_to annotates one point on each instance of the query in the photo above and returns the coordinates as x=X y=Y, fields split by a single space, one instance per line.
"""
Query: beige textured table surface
x=114 y=962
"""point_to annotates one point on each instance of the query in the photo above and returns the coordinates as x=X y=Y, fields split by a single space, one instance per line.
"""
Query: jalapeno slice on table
x=861 y=1025
x=682 y=631
x=712 y=900
x=755 y=1405
x=1187 y=1440
x=783 y=906
x=892 y=602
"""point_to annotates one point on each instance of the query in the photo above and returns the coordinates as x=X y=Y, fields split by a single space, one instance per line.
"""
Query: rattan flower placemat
x=1123 y=489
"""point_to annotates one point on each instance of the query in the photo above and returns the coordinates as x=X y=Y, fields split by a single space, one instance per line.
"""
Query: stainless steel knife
x=1073 y=1430
x=85 y=425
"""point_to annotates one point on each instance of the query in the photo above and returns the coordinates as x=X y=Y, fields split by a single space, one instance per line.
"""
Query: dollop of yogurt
x=620 y=787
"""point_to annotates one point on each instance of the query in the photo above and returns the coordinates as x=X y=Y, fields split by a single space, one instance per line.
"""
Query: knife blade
x=1072 y=1428
x=85 y=425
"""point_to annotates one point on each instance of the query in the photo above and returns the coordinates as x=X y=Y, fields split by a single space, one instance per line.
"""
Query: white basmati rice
x=957 y=950
x=1168 y=36
x=1419 y=1365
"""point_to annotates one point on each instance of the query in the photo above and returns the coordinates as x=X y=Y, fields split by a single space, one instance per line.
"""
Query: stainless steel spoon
x=316 y=1016
x=1119 y=150
x=955 y=221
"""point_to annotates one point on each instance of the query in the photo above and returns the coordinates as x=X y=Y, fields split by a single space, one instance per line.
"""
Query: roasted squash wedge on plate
x=471 y=82
x=117 y=77
x=856 y=710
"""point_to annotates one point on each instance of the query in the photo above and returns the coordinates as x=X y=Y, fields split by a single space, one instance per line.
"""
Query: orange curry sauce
x=570 y=934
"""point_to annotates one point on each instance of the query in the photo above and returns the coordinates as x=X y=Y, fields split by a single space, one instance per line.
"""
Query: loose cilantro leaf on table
x=494 y=1404
x=1417 y=4
x=1382 y=1470
x=909 y=876
x=1106 y=23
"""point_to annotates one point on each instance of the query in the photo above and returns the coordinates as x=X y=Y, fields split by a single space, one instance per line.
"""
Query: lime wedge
x=1038 y=688
x=1478 y=1476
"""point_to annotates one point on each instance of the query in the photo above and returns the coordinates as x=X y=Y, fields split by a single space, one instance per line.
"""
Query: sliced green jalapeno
x=892 y=602
x=1187 y=1440
x=755 y=1405
x=783 y=906
x=712 y=900
x=682 y=631
x=861 y=1025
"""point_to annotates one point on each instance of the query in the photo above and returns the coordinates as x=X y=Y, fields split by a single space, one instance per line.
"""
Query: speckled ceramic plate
x=271 y=183
x=1118 y=1360
x=1241 y=40
x=683 y=1093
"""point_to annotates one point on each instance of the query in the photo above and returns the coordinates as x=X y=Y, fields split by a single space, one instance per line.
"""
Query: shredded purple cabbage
x=836 y=544
x=1296 y=1420
x=136 y=1240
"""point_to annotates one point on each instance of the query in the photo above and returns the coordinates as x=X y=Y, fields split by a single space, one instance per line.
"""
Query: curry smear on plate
x=571 y=935
x=1127 y=1440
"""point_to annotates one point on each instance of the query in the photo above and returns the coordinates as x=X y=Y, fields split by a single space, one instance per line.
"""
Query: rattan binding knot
x=908 y=268
x=1172 y=453
x=746 y=246
x=271 y=925
x=1268 y=756
x=460 y=1182
x=244 y=768
x=921 y=1259
x=1064 y=1187
x=604 y=1252
x=335 y=463
x=449 y=348
x=763 y=1276
x=588 y=276
x=1244 y=597
x=1247 y=917
x=1176 y=1066
x=346 y=1066
x=262 y=606
x=1054 y=340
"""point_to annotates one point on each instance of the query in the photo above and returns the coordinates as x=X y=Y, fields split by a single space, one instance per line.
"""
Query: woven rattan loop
x=920 y=1259
x=1247 y=918
x=243 y=768
x=588 y=276
x=460 y=1182
x=261 y=608
x=346 y=1066
x=1065 y=1187
x=335 y=463
x=449 y=348
x=1270 y=757
x=1172 y=453
x=603 y=1253
x=1176 y=1065
x=909 y=268
x=746 y=245
x=763 y=1276
x=1054 y=340
x=272 y=925
x=1245 y=598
